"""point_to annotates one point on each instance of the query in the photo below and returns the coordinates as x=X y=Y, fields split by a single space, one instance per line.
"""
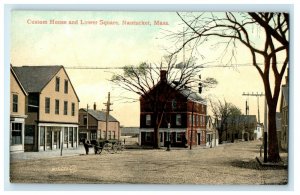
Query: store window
x=42 y=136
x=16 y=133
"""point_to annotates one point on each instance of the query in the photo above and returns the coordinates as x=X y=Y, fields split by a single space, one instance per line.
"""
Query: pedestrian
x=86 y=146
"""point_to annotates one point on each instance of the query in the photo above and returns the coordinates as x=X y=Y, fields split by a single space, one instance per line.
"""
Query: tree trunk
x=273 y=152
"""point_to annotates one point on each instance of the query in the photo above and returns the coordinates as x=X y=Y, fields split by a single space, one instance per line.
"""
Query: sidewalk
x=48 y=154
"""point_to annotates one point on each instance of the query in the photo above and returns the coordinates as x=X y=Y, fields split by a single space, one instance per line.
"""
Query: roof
x=191 y=95
x=188 y=93
x=35 y=78
x=100 y=115
x=18 y=81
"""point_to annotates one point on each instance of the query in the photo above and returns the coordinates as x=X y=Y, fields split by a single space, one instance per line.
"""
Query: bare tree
x=222 y=112
x=271 y=49
x=144 y=80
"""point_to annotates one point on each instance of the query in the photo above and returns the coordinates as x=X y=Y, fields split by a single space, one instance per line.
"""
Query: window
x=104 y=134
x=57 y=81
x=73 y=109
x=114 y=135
x=148 y=136
x=190 y=120
x=65 y=107
x=47 y=105
x=178 y=119
x=84 y=120
x=75 y=134
x=42 y=136
x=93 y=135
x=16 y=133
x=71 y=136
x=66 y=135
x=66 y=86
x=15 y=103
x=148 y=119
x=109 y=135
x=49 y=136
x=56 y=106
x=178 y=137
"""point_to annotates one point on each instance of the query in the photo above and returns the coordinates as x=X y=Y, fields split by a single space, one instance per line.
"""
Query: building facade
x=183 y=119
x=92 y=125
x=241 y=127
x=17 y=113
x=212 y=135
x=52 y=108
x=284 y=110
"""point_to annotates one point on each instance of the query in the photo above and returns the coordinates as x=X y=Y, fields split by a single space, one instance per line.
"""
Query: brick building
x=183 y=121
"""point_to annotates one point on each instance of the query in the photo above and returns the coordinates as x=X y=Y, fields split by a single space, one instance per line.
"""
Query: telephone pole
x=247 y=106
x=108 y=104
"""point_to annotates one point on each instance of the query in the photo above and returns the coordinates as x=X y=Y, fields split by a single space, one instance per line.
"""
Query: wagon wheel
x=107 y=147
x=115 y=147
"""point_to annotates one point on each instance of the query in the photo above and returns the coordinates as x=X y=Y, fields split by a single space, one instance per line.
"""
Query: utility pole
x=247 y=106
x=107 y=113
x=87 y=117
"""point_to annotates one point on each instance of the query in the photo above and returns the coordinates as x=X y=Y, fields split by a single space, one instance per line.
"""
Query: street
x=225 y=164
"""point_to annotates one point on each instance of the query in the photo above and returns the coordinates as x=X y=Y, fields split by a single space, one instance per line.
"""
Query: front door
x=199 y=138
x=161 y=138
x=29 y=138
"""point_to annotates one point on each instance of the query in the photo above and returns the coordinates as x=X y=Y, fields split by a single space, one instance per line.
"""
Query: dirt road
x=226 y=164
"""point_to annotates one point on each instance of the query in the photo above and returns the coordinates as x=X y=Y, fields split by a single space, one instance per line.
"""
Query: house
x=241 y=127
x=17 y=113
x=258 y=133
x=212 y=135
x=51 y=106
x=284 y=110
x=92 y=125
x=183 y=121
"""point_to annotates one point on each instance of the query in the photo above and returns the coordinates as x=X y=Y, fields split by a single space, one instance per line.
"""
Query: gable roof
x=18 y=81
x=100 y=115
x=35 y=78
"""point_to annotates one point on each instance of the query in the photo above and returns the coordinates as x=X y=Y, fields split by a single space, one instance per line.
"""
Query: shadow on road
x=252 y=164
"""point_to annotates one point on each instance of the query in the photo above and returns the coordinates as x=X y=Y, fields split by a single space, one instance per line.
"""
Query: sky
x=94 y=40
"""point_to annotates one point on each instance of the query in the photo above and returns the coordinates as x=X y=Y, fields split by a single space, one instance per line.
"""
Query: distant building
x=52 y=108
x=240 y=127
x=278 y=128
x=184 y=116
x=284 y=110
x=130 y=131
x=17 y=113
x=92 y=125
x=212 y=135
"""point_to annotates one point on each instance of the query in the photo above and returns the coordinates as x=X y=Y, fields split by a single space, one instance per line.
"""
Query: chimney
x=94 y=105
x=163 y=75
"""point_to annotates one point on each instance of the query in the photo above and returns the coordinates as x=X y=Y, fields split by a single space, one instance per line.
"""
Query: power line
x=118 y=67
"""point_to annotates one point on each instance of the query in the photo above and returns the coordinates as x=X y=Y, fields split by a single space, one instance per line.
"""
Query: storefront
x=55 y=136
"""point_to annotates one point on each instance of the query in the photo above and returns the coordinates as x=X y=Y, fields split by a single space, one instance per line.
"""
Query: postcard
x=124 y=97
